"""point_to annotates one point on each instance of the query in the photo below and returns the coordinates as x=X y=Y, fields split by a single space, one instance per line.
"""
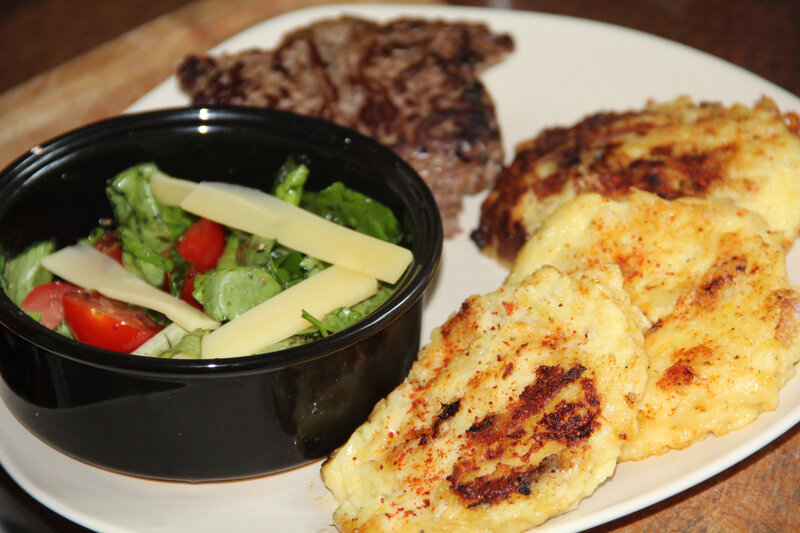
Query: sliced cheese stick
x=281 y=316
x=91 y=269
x=262 y=214
x=168 y=190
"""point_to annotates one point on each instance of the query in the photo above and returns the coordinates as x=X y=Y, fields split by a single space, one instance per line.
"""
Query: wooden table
x=91 y=59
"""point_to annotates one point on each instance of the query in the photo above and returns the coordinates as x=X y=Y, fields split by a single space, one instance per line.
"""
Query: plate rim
x=303 y=15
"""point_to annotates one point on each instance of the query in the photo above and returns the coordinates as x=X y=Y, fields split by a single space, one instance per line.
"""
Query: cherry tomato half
x=202 y=244
x=47 y=299
x=109 y=245
x=106 y=323
x=188 y=288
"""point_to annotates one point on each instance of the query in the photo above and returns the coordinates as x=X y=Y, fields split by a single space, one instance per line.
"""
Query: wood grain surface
x=760 y=494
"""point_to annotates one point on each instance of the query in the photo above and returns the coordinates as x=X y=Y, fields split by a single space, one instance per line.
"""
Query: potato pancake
x=712 y=279
x=675 y=149
x=515 y=411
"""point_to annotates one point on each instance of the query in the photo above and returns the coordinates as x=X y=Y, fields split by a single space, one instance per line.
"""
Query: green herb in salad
x=289 y=181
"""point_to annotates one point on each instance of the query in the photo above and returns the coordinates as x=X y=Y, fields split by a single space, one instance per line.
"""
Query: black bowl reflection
x=209 y=419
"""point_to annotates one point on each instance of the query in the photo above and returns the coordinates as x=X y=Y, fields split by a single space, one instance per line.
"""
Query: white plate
x=562 y=69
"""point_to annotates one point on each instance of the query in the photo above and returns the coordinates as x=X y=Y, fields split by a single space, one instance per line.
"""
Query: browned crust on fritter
x=512 y=435
x=506 y=438
x=411 y=84
x=589 y=157
x=711 y=277
x=515 y=411
x=787 y=302
x=497 y=436
x=682 y=372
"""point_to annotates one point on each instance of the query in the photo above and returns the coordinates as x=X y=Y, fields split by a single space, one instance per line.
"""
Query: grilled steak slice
x=410 y=84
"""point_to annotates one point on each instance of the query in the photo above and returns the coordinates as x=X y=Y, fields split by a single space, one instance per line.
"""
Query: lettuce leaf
x=289 y=181
x=226 y=294
x=146 y=227
x=354 y=210
x=20 y=274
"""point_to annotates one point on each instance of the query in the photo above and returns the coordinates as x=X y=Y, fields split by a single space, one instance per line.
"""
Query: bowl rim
x=409 y=288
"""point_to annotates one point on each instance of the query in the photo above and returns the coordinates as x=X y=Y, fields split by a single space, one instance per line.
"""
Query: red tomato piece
x=202 y=244
x=109 y=245
x=106 y=323
x=47 y=299
x=188 y=288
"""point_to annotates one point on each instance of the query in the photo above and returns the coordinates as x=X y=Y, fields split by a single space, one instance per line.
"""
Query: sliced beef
x=410 y=84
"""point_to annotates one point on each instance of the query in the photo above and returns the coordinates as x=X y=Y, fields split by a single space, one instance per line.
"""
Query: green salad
x=210 y=273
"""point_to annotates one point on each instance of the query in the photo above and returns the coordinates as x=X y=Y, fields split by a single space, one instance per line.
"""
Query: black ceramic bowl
x=216 y=419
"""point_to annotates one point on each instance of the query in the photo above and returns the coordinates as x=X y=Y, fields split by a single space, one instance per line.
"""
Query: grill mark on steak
x=410 y=84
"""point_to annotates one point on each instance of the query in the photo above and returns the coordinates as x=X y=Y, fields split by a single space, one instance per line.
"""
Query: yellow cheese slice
x=91 y=269
x=262 y=214
x=281 y=316
x=168 y=190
